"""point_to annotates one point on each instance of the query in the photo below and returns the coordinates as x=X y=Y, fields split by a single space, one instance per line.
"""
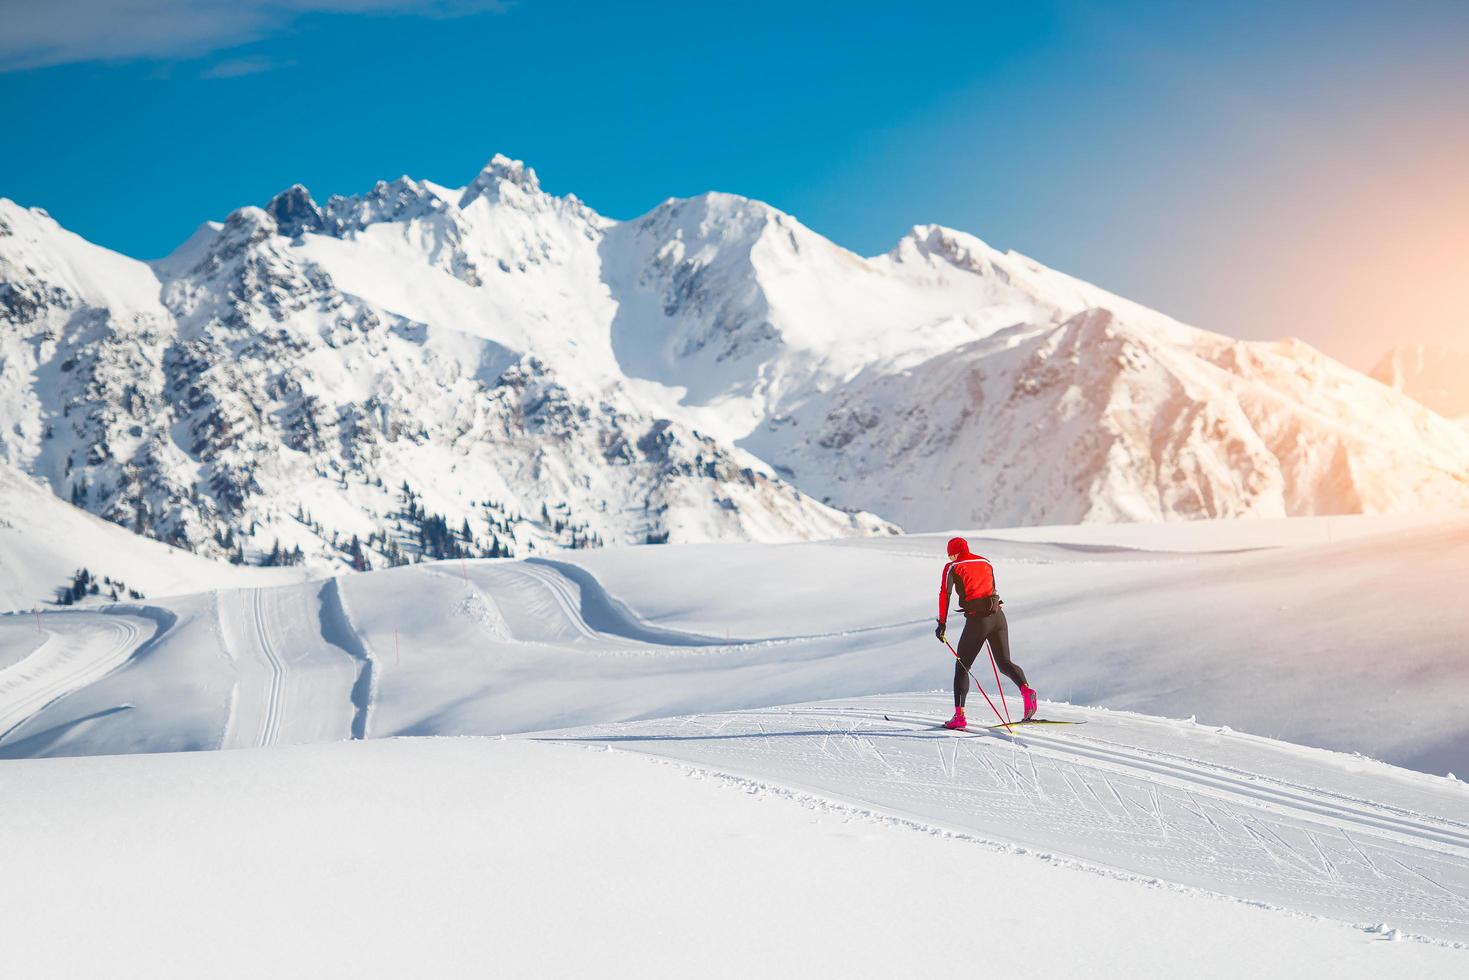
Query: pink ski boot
x=957 y=721
x=1028 y=696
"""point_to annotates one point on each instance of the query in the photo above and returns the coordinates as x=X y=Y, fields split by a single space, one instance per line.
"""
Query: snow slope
x=1211 y=628
x=44 y=541
x=1197 y=806
x=1435 y=376
x=272 y=391
x=448 y=858
x=724 y=738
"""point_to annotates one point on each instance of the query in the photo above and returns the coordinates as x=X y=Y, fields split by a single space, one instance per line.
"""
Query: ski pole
x=980 y=687
x=1000 y=687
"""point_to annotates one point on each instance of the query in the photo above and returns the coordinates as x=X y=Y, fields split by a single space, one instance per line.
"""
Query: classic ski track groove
x=276 y=695
x=560 y=590
x=563 y=592
x=1216 y=780
x=67 y=661
x=291 y=684
x=1144 y=813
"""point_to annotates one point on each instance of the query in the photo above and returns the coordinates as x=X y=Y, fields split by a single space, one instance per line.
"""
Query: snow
x=710 y=754
x=1209 y=625
x=710 y=371
x=294 y=685
x=1198 y=807
x=44 y=541
x=457 y=857
x=98 y=276
x=1433 y=375
x=715 y=754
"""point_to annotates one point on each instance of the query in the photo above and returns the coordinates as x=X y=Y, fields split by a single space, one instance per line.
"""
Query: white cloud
x=237 y=67
x=38 y=33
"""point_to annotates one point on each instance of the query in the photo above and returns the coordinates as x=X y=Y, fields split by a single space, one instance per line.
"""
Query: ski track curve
x=1172 y=816
x=80 y=648
x=544 y=601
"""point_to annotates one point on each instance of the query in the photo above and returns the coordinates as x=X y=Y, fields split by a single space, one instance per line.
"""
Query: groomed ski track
x=292 y=685
x=1166 y=802
x=78 y=649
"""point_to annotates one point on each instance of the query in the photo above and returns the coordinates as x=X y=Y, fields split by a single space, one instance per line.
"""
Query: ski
x=941 y=727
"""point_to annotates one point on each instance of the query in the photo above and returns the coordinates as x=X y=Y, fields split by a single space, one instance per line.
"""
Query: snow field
x=1232 y=637
x=1122 y=793
x=474 y=857
x=723 y=661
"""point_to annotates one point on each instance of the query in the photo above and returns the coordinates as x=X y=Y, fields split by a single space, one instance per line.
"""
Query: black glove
x=939 y=632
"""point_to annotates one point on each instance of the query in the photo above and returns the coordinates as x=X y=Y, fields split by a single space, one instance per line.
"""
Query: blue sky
x=1244 y=168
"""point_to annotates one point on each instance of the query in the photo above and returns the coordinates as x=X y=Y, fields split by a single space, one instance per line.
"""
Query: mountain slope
x=253 y=405
x=1101 y=418
x=422 y=371
x=45 y=541
x=1436 y=376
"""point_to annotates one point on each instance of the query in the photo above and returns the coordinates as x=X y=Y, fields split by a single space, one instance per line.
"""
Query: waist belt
x=986 y=606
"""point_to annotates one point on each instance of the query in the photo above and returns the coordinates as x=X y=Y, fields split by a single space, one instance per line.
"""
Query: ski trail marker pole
x=998 y=685
x=980 y=686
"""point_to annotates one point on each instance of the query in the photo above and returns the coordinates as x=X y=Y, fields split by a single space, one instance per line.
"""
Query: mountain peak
x=497 y=174
x=711 y=215
x=955 y=247
x=294 y=211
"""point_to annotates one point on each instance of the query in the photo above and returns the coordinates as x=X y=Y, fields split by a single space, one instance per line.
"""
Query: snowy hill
x=724 y=740
x=422 y=371
x=1435 y=376
x=44 y=541
x=437 y=858
x=1192 y=620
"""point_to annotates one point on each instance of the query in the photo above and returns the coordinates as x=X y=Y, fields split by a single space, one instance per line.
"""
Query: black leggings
x=977 y=629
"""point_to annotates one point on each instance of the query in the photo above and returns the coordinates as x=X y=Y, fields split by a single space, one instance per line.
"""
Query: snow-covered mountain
x=234 y=396
x=1104 y=417
x=1436 y=376
x=494 y=369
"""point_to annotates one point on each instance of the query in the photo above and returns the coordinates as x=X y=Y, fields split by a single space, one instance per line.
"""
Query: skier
x=973 y=578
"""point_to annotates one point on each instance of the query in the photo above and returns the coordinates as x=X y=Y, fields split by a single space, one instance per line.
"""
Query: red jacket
x=972 y=575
